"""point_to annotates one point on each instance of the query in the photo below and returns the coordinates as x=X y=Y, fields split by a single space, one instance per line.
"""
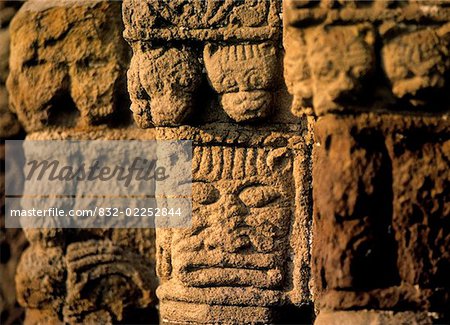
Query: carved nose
x=235 y=207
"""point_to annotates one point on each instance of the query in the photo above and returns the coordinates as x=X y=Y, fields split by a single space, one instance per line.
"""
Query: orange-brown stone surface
x=320 y=161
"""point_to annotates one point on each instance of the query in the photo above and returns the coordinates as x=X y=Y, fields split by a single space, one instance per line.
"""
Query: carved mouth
x=247 y=105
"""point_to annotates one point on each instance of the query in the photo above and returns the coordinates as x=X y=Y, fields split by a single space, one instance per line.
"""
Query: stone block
x=380 y=212
x=68 y=63
x=245 y=256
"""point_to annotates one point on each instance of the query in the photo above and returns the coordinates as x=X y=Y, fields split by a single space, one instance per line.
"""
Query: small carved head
x=243 y=75
x=297 y=73
x=416 y=62
x=340 y=58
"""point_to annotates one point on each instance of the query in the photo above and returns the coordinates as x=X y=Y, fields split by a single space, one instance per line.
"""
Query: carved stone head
x=340 y=58
x=243 y=74
x=162 y=82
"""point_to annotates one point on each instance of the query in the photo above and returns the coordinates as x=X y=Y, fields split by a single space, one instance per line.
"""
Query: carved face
x=339 y=59
x=243 y=75
x=242 y=67
x=416 y=62
x=297 y=73
x=242 y=212
x=162 y=83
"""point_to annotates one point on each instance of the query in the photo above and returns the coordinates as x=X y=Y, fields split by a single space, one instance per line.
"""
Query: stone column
x=245 y=257
x=214 y=67
x=67 y=81
x=375 y=76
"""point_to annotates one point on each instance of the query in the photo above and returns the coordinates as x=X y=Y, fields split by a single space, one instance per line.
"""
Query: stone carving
x=172 y=40
x=328 y=65
x=95 y=267
x=40 y=283
x=94 y=280
x=101 y=275
x=236 y=261
x=246 y=94
x=9 y=126
x=382 y=219
x=162 y=83
x=300 y=12
x=202 y=20
x=416 y=61
x=331 y=64
x=69 y=71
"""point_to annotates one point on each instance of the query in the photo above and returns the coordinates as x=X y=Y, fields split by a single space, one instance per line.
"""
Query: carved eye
x=204 y=193
x=228 y=82
x=258 y=196
x=254 y=80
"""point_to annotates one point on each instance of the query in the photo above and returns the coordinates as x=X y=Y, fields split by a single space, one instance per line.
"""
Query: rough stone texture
x=12 y=241
x=246 y=254
x=9 y=126
x=374 y=318
x=201 y=20
x=375 y=73
x=67 y=64
x=346 y=56
x=173 y=41
x=88 y=275
x=381 y=208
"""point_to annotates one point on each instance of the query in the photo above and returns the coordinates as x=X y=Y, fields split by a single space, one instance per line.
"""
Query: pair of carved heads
x=330 y=68
x=164 y=82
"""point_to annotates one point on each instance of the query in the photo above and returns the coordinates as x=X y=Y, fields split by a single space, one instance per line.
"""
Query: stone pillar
x=375 y=76
x=67 y=81
x=215 y=66
x=245 y=257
